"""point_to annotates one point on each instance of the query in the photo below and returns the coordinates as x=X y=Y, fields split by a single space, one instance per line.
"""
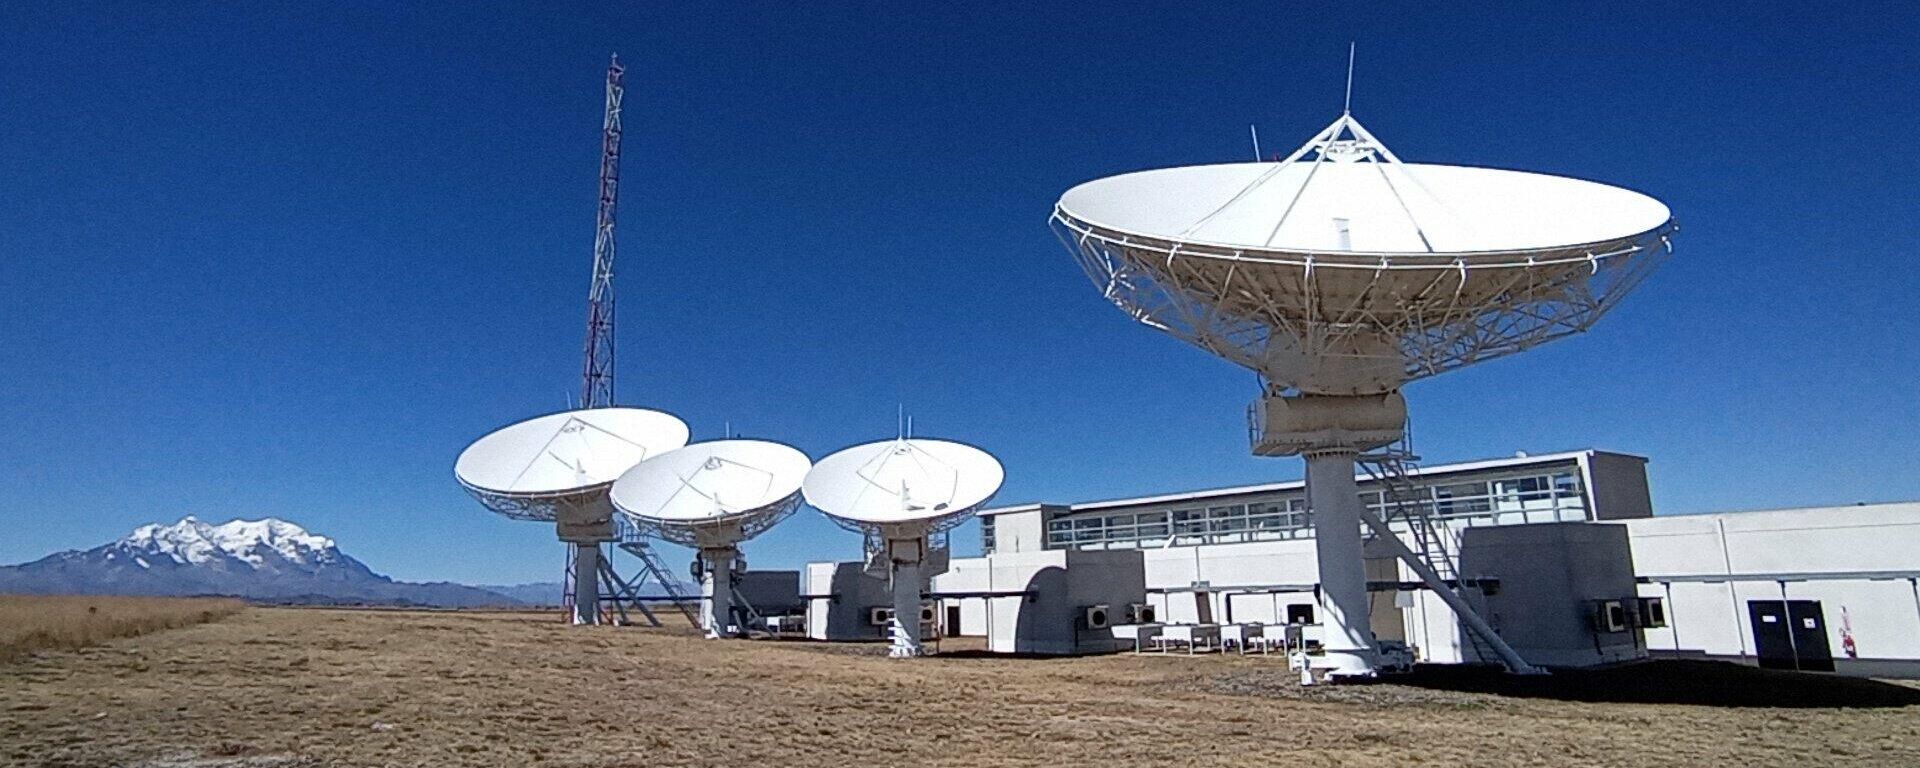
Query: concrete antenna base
x=908 y=581
x=1334 y=498
x=716 y=591
x=586 y=582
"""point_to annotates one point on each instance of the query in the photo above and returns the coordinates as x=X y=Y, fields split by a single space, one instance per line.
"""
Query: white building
x=1245 y=554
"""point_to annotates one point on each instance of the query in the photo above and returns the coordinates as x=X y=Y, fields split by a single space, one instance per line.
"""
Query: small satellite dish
x=897 y=493
x=534 y=469
x=712 y=496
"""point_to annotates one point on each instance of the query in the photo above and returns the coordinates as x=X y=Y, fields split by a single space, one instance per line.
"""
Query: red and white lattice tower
x=596 y=385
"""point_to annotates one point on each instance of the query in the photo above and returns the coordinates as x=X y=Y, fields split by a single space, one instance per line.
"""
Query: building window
x=1087 y=530
x=1461 y=499
x=1190 y=522
x=986 y=534
x=1152 y=526
x=1059 y=534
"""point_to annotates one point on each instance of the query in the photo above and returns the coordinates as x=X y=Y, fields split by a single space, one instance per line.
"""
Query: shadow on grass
x=1669 y=681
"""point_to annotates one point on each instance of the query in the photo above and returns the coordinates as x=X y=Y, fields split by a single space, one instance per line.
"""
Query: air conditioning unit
x=926 y=613
x=1097 y=617
x=1609 y=616
x=1653 y=612
x=1140 y=613
x=879 y=617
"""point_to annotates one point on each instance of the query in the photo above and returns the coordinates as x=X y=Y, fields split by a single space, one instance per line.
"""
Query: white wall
x=1712 y=618
x=1063 y=584
x=1021 y=531
x=1704 y=618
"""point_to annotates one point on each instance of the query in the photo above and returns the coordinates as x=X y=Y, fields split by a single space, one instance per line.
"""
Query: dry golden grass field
x=33 y=623
x=293 y=687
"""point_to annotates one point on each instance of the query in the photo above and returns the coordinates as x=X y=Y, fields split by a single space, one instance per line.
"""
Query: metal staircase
x=625 y=594
x=1406 y=503
x=688 y=605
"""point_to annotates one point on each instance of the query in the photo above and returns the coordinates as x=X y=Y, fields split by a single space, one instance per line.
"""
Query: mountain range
x=269 y=560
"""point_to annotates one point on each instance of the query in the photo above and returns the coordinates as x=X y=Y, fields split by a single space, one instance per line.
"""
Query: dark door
x=1772 y=640
x=1809 y=625
x=953 y=621
x=1790 y=634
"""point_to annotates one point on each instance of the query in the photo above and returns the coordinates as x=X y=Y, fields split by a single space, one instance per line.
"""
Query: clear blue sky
x=287 y=259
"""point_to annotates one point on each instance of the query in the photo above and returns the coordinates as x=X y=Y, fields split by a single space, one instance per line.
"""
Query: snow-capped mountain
x=259 y=543
x=266 y=559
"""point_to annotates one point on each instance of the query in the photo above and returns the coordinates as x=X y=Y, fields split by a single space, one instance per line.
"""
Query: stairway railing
x=1405 y=502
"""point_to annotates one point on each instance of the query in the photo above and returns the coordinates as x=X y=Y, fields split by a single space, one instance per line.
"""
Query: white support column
x=1334 y=498
x=716 y=590
x=586 y=582
x=906 y=555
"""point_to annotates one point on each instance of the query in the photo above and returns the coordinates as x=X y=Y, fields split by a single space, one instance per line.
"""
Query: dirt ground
x=294 y=687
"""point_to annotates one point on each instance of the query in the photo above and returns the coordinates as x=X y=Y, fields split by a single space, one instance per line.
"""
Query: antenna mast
x=596 y=388
x=1347 y=109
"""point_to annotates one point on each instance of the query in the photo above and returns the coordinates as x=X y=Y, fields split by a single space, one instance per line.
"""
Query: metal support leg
x=716 y=591
x=905 y=627
x=1335 y=500
x=586 y=583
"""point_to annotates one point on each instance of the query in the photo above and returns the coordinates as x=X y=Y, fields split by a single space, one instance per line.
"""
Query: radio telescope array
x=900 y=495
x=713 y=496
x=1341 y=273
x=559 y=468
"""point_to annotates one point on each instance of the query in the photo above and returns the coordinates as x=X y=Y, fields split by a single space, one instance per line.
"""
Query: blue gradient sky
x=288 y=260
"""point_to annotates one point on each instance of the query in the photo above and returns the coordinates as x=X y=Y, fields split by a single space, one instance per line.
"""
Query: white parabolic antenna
x=548 y=467
x=1339 y=274
x=719 y=492
x=904 y=483
x=898 y=492
x=712 y=496
x=1353 y=277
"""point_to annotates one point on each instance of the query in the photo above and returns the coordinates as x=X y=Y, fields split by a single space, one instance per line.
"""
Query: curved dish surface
x=903 y=481
x=1361 y=209
x=1353 y=278
x=562 y=457
x=713 y=484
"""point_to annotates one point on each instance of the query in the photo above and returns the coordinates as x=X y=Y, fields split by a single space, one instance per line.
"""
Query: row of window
x=1533 y=498
x=1513 y=494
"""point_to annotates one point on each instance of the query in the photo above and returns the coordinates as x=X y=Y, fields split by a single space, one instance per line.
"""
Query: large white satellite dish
x=896 y=482
x=563 y=454
x=898 y=493
x=1341 y=273
x=712 y=496
x=558 y=468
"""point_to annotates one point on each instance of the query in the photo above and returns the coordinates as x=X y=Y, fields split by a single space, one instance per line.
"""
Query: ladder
x=1407 y=503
